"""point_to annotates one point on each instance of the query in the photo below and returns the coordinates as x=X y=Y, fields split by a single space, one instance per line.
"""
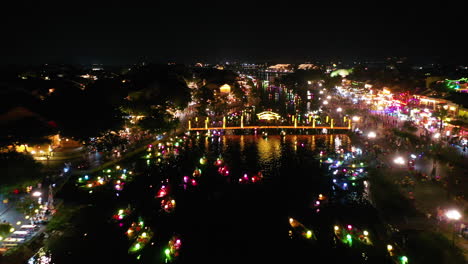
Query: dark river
x=222 y=220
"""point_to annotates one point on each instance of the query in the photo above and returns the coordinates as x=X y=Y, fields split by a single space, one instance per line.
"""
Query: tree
x=439 y=87
x=238 y=92
x=18 y=170
x=107 y=142
x=220 y=104
x=11 y=98
x=5 y=229
x=157 y=92
x=158 y=122
x=254 y=97
x=27 y=205
x=441 y=113
x=84 y=114
x=159 y=85
x=21 y=121
x=29 y=130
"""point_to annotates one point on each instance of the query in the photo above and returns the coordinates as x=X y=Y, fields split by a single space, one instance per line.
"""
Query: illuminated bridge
x=329 y=125
x=266 y=127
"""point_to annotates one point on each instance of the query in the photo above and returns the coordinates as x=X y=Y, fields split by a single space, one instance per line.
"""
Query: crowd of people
x=422 y=165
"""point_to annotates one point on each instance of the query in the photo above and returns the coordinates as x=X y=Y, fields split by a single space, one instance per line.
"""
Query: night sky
x=213 y=31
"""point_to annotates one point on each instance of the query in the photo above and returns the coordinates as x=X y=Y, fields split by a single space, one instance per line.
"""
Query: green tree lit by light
x=341 y=72
x=404 y=260
x=455 y=84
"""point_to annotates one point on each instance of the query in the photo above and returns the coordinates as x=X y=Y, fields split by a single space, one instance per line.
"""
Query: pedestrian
x=462 y=227
x=440 y=214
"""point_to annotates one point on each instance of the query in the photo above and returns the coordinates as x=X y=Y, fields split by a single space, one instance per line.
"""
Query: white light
x=36 y=194
x=453 y=215
x=325 y=102
x=355 y=118
x=437 y=135
x=371 y=135
x=413 y=156
x=399 y=160
x=339 y=109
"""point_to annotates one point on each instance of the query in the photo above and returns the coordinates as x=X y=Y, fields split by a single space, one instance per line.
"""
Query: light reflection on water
x=253 y=152
x=269 y=152
x=288 y=158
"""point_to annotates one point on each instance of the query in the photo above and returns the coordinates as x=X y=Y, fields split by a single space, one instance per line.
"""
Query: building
x=307 y=66
x=225 y=88
x=433 y=103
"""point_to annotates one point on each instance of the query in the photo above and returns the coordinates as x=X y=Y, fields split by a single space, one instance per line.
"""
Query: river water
x=222 y=220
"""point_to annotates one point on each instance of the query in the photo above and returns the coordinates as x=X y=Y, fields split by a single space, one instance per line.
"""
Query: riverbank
x=406 y=204
x=60 y=220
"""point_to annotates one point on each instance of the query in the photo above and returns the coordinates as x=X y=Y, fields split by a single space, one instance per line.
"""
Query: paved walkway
x=9 y=214
x=430 y=196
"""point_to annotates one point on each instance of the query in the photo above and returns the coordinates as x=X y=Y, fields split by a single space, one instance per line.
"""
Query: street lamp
x=389 y=249
x=455 y=216
x=371 y=134
x=339 y=109
x=399 y=160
